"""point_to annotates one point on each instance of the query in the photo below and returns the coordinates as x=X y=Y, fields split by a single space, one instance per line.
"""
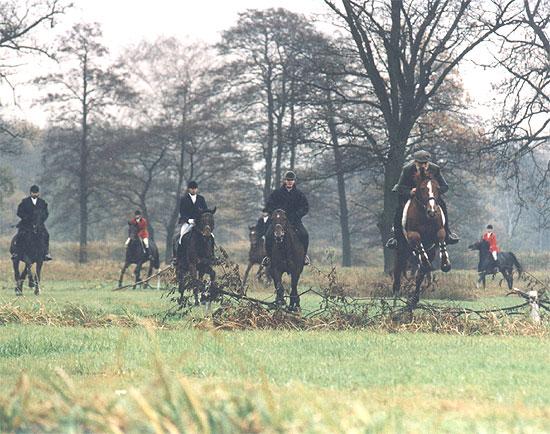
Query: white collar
x=34 y=200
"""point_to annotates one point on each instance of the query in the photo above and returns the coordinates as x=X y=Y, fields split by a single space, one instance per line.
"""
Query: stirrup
x=47 y=257
x=307 y=261
x=392 y=243
x=266 y=261
x=452 y=238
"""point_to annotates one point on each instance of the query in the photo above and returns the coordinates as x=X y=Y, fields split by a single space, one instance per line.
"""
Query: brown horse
x=195 y=257
x=256 y=254
x=287 y=257
x=424 y=231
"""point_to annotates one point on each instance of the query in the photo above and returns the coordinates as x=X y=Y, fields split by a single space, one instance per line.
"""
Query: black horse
x=505 y=264
x=195 y=257
x=256 y=254
x=287 y=257
x=30 y=249
x=135 y=254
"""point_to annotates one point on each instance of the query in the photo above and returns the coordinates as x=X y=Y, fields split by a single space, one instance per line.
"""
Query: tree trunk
x=292 y=129
x=344 y=212
x=268 y=154
x=83 y=187
x=392 y=170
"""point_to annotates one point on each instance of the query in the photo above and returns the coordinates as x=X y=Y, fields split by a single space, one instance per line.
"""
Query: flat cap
x=422 y=156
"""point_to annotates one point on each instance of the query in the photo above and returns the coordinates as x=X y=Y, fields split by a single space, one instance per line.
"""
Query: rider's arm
x=303 y=209
x=45 y=213
x=21 y=212
x=403 y=186
x=443 y=186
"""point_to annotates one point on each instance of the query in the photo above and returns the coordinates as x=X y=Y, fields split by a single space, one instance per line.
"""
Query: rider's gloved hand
x=127 y=242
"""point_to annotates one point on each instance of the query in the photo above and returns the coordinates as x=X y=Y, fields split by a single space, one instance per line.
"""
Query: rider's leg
x=146 y=244
x=47 y=256
x=185 y=228
x=495 y=258
x=451 y=238
x=13 y=246
x=397 y=229
x=268 y=245
x=304 y=238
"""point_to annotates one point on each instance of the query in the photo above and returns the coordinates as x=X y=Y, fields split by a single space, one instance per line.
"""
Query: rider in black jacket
x=294 y=203
x=33 y=212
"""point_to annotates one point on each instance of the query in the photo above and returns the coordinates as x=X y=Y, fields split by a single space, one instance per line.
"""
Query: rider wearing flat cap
x=294 y=203
x=406 y=189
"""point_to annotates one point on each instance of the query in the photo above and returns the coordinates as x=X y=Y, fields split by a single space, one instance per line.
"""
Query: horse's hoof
x=37 y=291
x=18 y=292
x=446 y=267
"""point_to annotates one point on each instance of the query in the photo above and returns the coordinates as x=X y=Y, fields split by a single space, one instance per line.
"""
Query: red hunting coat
x=491 y=238
x=142 y=227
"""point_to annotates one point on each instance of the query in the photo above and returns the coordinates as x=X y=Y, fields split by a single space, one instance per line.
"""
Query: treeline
x=275 y=93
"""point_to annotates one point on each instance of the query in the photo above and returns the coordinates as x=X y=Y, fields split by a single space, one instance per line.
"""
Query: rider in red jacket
x=491 y=238
x=142 y=233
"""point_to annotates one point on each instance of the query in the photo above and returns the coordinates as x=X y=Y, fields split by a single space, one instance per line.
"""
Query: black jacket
x=293 y=202
x=190 y=210
x=31 y=214
x=406 y=180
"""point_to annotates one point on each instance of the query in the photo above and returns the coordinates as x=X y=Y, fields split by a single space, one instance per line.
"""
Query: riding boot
x=148 y=253
x=268 y=249
x=392 y=241
x=13 y=248
x=450 y=237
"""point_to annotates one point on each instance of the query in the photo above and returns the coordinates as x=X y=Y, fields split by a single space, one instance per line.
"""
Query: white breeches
x=146 y=242
x=495 y=254
x=185 y=228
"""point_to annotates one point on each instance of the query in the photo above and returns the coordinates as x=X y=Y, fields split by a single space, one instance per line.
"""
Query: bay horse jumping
x=256 y=254
x=287 y=257
x=135 y=254
x=195 y=257
x=30 y=249
x=424 y=232
x=506 y=263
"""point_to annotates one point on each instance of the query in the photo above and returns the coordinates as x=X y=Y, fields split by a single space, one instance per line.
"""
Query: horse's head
x=427 y=193
x=280 y=224
x=481 y=245
x=132 y=231
x=205 y=223
x=252 y=235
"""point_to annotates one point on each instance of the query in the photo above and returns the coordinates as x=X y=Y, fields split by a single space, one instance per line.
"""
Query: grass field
x=119 y=368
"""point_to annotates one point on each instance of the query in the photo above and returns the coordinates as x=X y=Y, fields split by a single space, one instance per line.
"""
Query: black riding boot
x=451 y=237
x=397 y=227
x=268 y=248
x=13 y=247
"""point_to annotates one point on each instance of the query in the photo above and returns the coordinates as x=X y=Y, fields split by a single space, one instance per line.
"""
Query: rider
x=491 y=238
x=191 y=205
x=406 y=189
x=33 y=212
x=142 y=226
x=262 y=224
x=294 y=203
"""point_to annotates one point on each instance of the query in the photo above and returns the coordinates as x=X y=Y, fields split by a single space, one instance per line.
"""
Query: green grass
x=300 y=381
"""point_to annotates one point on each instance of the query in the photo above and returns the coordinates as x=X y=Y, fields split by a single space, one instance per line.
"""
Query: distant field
x=132 y=372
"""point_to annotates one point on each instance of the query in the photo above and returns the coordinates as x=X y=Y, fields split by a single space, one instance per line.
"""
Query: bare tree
x=408 y=49
x=78 y=96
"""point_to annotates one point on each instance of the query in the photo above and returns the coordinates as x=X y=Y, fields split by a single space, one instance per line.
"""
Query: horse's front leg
x=294 y=297
x=18 y=277
x=279 y=289
x=415 y=241
x=37 y=280
x=149 y=274
x=124 y=267
x=137 y=274
x=193 y=278
x=245 y=277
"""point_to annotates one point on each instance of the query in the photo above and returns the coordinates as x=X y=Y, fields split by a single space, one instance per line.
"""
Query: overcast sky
x=125 y=22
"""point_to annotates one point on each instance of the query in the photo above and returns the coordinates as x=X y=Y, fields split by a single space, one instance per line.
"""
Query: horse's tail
x=516 y=263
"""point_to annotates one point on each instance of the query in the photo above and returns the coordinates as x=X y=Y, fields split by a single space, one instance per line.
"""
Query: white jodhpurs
x=145 y=242
x=185 y=228
x=495 y=254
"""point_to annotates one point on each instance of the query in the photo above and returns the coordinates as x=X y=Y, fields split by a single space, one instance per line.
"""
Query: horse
x=424 y=231
x=195 y=257
x=506 y=262
x=135 y=254
x=30 y=249
x=256 y=253
x=287 y=257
